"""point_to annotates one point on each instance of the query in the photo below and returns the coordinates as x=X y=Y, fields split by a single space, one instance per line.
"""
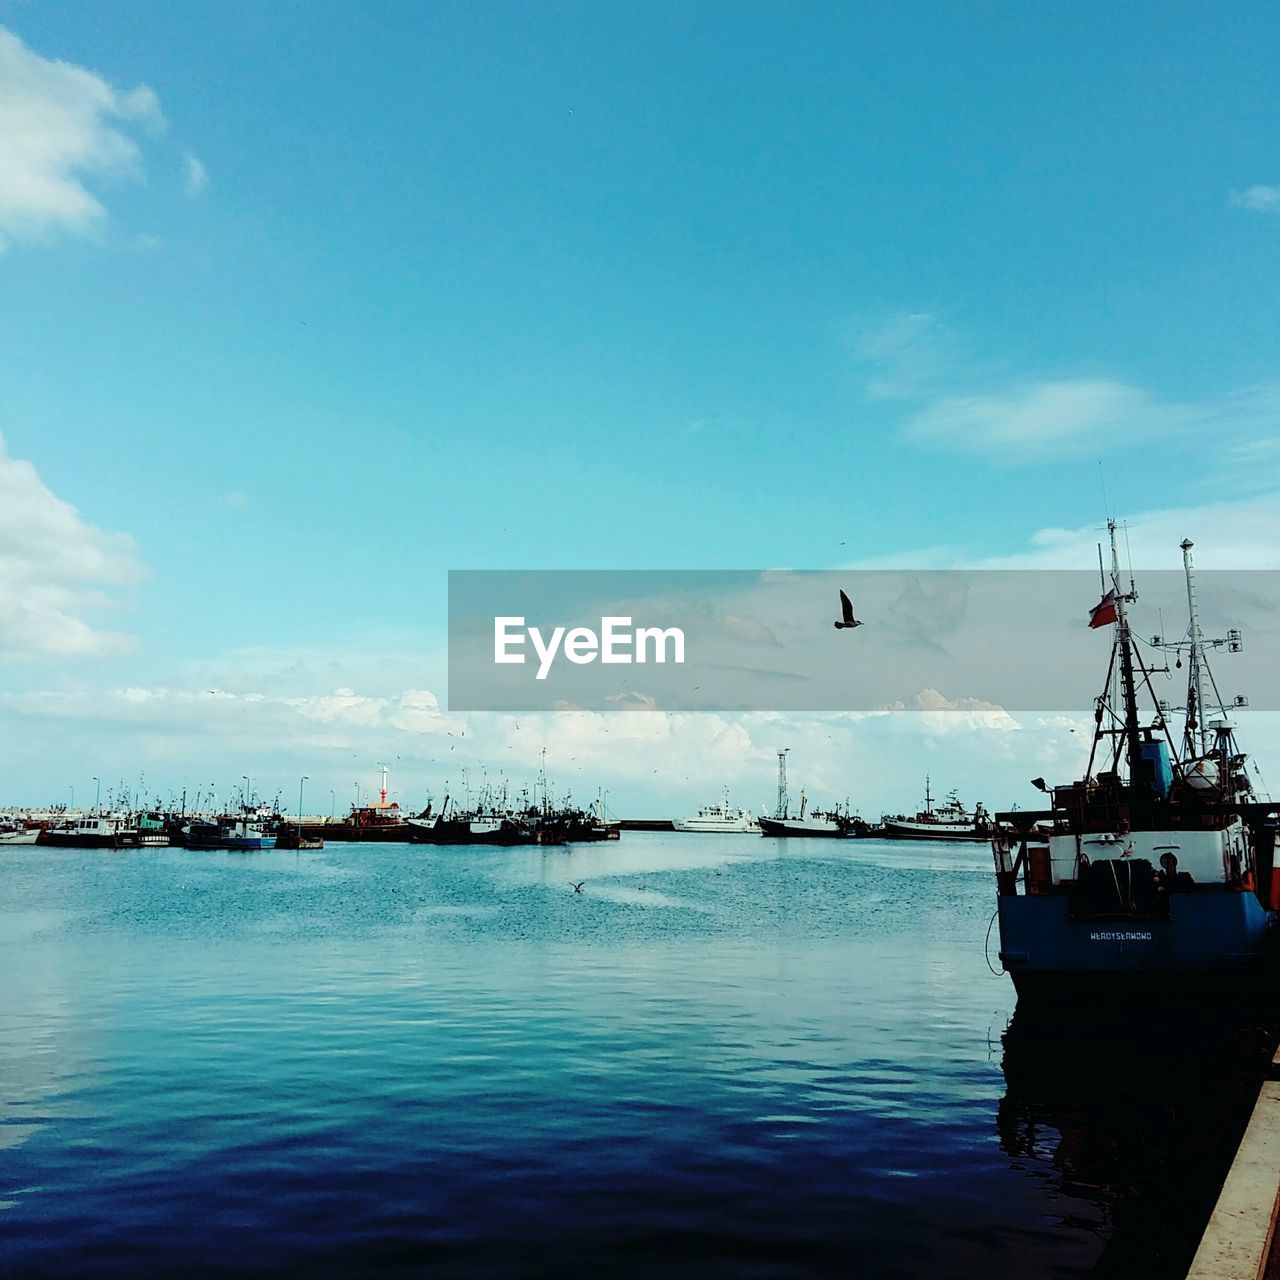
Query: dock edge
x=1237 y=1242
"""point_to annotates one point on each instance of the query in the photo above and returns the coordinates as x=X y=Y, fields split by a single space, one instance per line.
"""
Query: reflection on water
x=725 y=1056
x=1138 y=1113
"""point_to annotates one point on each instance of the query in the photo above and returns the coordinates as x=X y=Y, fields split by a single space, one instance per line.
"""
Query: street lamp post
x=97 y=796
x=72 y=805
x=245 y=776
x=301 y=780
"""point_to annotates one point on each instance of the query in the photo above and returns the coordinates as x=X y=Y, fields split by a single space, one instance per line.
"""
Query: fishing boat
x=717 y=817
x=1154 y=872
x=153 y=829
x=249 y=829
x=830 y=825
x=949 y=820
x=382 y=819
x=92 y=831
x=576 y=826
x=485 y=824
x=13 y=831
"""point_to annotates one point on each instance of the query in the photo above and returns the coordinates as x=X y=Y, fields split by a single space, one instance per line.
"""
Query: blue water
x=725 y=1056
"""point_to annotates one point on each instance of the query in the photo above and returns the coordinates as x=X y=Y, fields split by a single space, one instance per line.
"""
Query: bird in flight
x=846 y=610
x=577 y=888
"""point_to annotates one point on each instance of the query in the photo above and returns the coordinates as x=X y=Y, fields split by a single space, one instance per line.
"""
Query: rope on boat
x=986 y=944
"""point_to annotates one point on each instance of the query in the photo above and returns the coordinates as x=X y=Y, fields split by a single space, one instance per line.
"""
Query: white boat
x=93 y=831
x=718 y=817
x=16 y=833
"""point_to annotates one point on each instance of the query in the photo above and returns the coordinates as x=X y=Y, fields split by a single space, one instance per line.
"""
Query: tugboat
x=1154 y=873
x=949 y=821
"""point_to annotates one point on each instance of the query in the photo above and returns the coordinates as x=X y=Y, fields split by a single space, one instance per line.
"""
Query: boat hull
x=20 y=837
x=928 y=831
x=241 y=843
x=459 y=831
x=90 y=840
x=799 y=828
x=1211 y=941
x=359 y=833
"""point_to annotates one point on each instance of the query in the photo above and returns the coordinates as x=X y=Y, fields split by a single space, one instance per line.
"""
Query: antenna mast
x=1126 y=662
x=1196 y=724
x=781 y=811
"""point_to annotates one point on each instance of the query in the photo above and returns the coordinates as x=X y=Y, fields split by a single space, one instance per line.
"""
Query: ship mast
x=1123 y=639
x=1197 y=725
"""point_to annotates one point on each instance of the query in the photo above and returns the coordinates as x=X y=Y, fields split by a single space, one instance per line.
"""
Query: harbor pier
x=1239 y=1243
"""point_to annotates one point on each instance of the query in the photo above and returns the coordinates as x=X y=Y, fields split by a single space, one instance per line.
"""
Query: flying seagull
x=846 y=609
x=577 y=888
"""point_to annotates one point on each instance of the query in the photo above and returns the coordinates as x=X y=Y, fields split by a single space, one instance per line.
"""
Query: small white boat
x=718 y=817
x=16 y=833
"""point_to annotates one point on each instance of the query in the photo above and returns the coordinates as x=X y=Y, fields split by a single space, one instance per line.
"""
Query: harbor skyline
x=639 y=640
x=509 y=293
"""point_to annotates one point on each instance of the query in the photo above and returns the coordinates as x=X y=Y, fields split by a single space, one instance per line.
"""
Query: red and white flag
x=1104 y=611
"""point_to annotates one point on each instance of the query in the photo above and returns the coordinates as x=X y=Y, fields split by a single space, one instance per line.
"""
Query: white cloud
x=1037 y=420
x=1260 y=199
x=1240 y=534
x=904 y=353
x=1017 y=420
x=1041 y=416
x=62 y=124
x=53 y=569
x=195 y=176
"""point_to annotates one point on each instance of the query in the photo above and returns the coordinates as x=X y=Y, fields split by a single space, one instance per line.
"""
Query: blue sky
x=357 y=295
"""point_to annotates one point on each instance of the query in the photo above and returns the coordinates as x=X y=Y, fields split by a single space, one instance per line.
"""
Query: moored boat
x=1155 y=872
x=13 y=831
x=949 y=820
x=92 y=831
x=482 y=825
x=717 y=817
x=830 y=825
x=246 y=830
x=364 y=823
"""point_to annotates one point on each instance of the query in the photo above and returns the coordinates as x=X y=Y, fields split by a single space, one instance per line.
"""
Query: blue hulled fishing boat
x=1154 y=873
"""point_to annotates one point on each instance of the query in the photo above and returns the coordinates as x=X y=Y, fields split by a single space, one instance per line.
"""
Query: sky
x=302 y=306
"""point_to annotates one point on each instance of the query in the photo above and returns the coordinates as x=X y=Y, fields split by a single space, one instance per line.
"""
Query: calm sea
x=725 y=1056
